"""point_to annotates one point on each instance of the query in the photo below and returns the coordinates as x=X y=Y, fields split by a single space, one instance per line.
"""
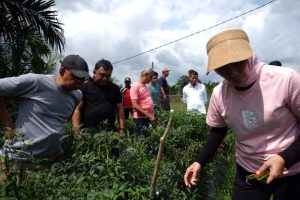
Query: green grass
x=176 y=104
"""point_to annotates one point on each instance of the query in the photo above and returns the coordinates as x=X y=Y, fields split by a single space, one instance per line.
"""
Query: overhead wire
x=190 y=35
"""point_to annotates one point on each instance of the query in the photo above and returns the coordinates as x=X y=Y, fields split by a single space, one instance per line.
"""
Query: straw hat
x=227 y=47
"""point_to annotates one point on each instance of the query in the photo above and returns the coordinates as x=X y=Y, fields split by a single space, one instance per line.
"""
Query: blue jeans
x=140 y=125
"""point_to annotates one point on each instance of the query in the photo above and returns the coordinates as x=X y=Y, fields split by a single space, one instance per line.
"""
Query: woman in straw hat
x=260 y=103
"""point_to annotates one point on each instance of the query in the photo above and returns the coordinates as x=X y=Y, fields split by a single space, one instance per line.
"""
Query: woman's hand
x=191 y=174
x=276 y=166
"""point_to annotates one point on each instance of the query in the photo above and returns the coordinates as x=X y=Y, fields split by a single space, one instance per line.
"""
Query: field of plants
x=107 y=166
x=104 y=165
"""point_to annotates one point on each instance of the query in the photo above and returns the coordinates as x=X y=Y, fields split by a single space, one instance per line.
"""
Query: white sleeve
x=184 y=95
x=204 y=94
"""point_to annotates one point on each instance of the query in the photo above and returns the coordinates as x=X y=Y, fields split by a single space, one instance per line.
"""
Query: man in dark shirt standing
x=101 y=101
x=163 y=99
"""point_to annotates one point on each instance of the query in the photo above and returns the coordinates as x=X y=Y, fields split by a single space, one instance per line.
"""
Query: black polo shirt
x=100 y=104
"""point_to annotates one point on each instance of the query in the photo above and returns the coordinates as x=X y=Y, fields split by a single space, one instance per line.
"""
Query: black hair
x=190 y=71
x=105 y=64
x=155 y=74
x=193 y=72
x=276 y=63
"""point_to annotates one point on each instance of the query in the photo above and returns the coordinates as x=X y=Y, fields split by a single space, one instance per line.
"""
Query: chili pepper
x=258 y=177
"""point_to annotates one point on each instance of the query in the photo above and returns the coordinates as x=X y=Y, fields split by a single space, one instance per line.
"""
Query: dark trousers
x=164 y=104
x=285 y=188
x=140 y=125
x=127 y=111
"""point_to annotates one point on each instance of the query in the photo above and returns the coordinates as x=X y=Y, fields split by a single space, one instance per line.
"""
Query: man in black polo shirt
x=101 y=102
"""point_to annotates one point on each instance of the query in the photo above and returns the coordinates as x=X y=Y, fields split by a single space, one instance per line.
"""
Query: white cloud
x=117 y=29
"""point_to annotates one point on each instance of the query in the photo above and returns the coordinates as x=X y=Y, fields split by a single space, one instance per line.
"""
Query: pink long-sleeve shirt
x=264 y=119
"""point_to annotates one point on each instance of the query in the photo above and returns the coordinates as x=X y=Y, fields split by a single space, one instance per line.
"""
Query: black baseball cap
x=76 y=65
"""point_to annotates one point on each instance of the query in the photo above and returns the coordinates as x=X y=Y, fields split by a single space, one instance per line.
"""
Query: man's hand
x=78 y=134
x=8 y=133
x=122 y=132
x=152 y=118
x=182 y=100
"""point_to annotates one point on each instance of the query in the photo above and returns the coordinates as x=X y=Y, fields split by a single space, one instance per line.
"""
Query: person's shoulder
x=40 y=79
x=26 y=80
x=186 y=87
x=114 y=87
x=89 y=84
x=111 y=84
x=185 y=82
x=280 y=71
x=77 y=92
x=123 y=89
x=136 y=84
x=221 y=86
x=162 y=80
x=135 y=88
x=36 y=76
x=202 y=85
x=77 y=95
x=199 y=85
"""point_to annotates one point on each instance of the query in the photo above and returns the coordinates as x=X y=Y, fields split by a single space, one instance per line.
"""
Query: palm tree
x=29 y=28
x=28 y=15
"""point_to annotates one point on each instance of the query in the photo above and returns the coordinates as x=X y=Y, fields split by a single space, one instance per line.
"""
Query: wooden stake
x=159 y=154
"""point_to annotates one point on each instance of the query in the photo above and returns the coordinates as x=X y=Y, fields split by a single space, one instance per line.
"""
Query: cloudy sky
x=118 y=29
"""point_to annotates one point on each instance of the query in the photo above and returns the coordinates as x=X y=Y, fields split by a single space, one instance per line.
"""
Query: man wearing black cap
x=46 y=104
x=101 y=102
x=127 y=104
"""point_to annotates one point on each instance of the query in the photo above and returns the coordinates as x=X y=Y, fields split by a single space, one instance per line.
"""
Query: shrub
x=105 y=165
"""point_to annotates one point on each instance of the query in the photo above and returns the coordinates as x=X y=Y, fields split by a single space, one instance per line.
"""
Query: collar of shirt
x=190 y=85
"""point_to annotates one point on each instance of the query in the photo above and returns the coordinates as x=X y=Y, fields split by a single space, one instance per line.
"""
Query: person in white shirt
x=194 y=94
